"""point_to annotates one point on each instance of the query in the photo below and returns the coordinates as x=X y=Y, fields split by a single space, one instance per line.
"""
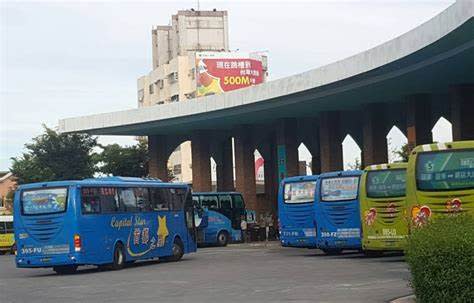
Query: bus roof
x=443 y=146
x=341 y=173
x=301 y=178
x=108 y=181
x=396 y=165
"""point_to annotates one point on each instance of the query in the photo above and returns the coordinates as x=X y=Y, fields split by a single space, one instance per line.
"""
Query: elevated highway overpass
x=409 y=82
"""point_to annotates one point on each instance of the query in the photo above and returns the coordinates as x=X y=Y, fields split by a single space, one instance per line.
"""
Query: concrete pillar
x=200 y=154
x=462 y=109
x=287 y=148
x=224 y=169
x=374 y=137
x=330 y=141
x=418 y=120
x=158 y=152
x=271 y=175
x=245 y=166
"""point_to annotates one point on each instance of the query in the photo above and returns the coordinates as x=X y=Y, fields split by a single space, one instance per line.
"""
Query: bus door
x=190 y=220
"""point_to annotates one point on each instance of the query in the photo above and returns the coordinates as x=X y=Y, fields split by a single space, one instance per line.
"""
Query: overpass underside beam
x=374 y=150
x=201 y=161
x=330 y=141
x=462 y=110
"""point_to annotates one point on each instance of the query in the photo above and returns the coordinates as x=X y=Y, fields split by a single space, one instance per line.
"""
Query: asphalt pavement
x=237 y=273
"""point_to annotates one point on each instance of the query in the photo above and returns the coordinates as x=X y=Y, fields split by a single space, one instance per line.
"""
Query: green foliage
x=441 y=260
x=54 y=156
x=130 y=161
x=403 y=153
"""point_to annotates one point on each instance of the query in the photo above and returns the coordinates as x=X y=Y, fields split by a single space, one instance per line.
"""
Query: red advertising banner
x=222 y=74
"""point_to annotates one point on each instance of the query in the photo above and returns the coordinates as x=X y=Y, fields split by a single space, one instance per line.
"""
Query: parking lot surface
x=237 y=273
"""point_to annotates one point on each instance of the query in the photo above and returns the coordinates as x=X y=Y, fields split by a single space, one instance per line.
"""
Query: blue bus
x=105 y=222
x=222 y=217
x=336 y=211
x=295 y=211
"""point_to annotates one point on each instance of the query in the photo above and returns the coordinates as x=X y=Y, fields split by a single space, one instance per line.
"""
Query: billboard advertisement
x=219 y=72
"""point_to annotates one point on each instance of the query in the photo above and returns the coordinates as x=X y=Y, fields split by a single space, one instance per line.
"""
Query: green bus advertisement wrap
x=440 y=181
x=383 y=207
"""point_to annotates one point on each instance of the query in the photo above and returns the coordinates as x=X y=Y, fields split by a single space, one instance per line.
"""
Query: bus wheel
x=119 y=257
x=178 y=251
x=65 y=269
x=332 y=251
x=222 y=238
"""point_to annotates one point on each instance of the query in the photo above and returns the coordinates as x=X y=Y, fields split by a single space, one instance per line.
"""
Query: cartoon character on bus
x=420 y=215
x=370 y=216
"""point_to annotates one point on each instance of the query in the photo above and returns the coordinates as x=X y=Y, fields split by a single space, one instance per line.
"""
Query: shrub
x=441 y=259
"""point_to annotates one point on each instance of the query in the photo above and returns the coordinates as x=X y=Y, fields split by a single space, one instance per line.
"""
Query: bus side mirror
x=200 y=216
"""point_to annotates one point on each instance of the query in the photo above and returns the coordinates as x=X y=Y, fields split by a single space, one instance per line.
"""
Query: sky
x=69 y=58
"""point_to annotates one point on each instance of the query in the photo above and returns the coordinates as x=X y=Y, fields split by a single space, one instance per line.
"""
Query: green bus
x=440 y=181
x=383 y=208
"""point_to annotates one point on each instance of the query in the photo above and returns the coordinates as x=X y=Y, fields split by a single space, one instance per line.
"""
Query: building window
x=177 y=169
x=173 y=77
x=159 y=83
x=192 y=73
x=141 y=94
x=151 y=89
x=175 y=98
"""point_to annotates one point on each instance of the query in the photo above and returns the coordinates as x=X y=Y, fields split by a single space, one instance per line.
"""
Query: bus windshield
x=300 y=192
x=339 y=189
x=445 y=170
x=44 y=201
x=386 y=183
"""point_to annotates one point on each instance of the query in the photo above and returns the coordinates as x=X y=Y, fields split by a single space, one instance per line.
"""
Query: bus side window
x=158 y=199
x=109 y=202
x=143 y=198
x=128 y=199
x=196 y=200
x=176 y=198
x=225 y=201
x=238 y=202
x=90 y=200
x=210 y=202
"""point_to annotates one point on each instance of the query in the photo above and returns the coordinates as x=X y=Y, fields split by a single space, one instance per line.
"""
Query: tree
x=130 y=161
x=53 y=156
x=356 y=165
x=403 y=153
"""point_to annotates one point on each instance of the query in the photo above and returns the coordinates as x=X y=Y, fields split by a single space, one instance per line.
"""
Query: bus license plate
x=46 y=260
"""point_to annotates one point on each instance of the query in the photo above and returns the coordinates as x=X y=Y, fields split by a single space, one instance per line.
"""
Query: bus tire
x=332 y=251
x=65 y=269
x=223 y=238
x=178 y=251
x=118 y=261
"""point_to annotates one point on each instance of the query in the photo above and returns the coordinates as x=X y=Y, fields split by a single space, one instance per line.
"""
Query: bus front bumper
x=336 y=243
x=384 y=244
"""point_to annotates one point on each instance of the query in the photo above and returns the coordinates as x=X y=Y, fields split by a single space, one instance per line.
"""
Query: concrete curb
x=405 y=299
